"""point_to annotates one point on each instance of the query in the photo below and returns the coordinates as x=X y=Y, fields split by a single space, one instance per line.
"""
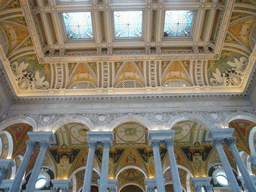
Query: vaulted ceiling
x=108 y=47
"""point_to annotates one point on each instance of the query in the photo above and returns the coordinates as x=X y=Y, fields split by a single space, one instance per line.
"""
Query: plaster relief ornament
x=27 y=80
x=232 y=76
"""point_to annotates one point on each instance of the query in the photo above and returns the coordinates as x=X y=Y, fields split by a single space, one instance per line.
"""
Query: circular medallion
x=79 y=133
x=130 y=133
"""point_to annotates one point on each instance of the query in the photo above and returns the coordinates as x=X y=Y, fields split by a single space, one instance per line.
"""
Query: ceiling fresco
x=27 y=72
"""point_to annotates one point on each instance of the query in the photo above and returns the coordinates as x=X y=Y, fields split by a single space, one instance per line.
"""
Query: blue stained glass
x=78 y=25
x=178 y=23
x=128 y=23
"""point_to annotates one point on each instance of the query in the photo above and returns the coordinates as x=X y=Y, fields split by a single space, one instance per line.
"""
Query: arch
x=130 y=118
x=10 y=144
x=170 y=183
x=81 y=168
x=251 y=141
x=81 y=188
x=235 y=116
x=189 y=175
x=73 y=178
x=191 y=117
x=70 y=119
x=131 y=167
x=181 y=167
x=135 y=184
x=17 y=120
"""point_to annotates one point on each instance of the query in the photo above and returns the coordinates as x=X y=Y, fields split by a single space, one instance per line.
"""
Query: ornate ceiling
x=216 y=56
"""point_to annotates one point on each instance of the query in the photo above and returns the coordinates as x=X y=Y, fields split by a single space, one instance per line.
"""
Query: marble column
x=202 y=182
x=89 y=166
x=5 y=165
x=62 y=185
x=104 y=166
x=231 y=142
x=150 y=184
x=218 y=136
x=173 y=165
x=105 y=138
x=37 y=167
x=112 y=185
x=232 y=181
x=31 y=145
x=155 y=144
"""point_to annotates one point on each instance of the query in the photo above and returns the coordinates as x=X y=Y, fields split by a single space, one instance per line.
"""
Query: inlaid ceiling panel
x=48 y=51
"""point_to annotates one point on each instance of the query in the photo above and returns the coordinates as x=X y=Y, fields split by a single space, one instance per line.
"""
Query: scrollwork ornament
x=208 y=187
x=198 y=188
x=217 y=141
x=169 y=142
x=92 y=144
x=230 y=141
x=45 y=145
x=112 y=189
x=150 y=189
x=31 y=144
x=106 y=144
x=155 y=143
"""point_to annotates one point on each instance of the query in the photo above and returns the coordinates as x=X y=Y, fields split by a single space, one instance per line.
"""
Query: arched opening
x=132 y=188
x=128 y=155
x=13 y=144
x=78 y=180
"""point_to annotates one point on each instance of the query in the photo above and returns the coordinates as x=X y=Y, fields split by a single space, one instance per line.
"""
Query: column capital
x=198 y=188
x=61 y=184
x=220 y=133
x=92 y=144
x=217 y=141
x=150 y=183
x=106 y=144
x=161 y=134
x=6 y=164
x=230 y=141
x=41 y=136
x=112 y=184
x=45 y=145
x=155 y=143
x=31 y=144
x=169 y=142
x=208 y=187
x=201 y=181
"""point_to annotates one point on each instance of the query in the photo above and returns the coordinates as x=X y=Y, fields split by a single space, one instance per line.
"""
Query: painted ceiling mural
x=29 y=74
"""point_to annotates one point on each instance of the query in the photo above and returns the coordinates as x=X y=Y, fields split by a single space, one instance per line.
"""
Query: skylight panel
x=128 y=23
x=178 y=23
x=78 y=25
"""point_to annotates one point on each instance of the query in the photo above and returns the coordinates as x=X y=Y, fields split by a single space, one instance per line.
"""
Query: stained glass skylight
x=178 y=23
x=128 y=23
x=78 y=25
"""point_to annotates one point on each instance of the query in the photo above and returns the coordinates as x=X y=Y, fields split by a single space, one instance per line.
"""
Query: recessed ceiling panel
x=128 y=23
x=78 y=25
x=178 y=23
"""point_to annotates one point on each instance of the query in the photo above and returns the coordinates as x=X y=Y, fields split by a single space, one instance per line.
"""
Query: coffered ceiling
x=109 y=47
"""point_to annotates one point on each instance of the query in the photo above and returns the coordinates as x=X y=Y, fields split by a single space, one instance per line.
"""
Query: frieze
x=160 y=120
